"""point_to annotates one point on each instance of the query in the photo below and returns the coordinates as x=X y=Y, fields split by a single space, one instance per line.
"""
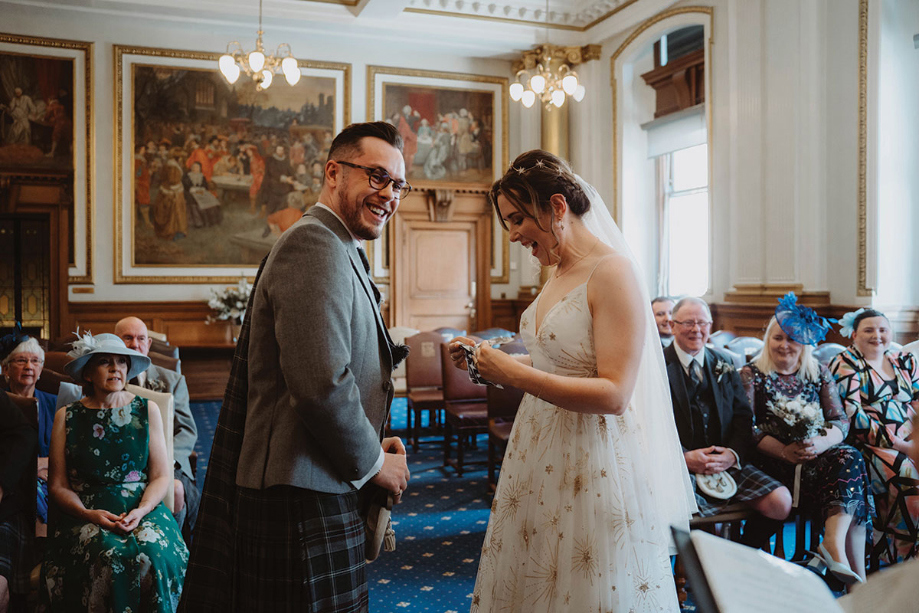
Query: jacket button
x=386 y=386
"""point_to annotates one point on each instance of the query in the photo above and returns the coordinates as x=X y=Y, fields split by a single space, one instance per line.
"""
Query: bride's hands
x=457 y=355
x=495 y=365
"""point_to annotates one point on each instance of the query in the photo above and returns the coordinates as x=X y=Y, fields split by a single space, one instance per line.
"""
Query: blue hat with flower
x=801 y=323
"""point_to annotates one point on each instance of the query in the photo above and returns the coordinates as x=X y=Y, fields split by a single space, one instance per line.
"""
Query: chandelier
x=256 y=64
x=546 y=73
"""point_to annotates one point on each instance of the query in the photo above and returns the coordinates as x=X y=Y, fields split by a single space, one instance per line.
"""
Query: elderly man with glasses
x=715 y=424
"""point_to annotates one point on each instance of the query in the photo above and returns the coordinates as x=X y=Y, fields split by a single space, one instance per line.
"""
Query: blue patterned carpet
x=440 y=527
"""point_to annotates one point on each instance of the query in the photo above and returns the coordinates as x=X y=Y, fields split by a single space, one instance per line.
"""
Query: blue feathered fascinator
x=12 y=340
x=801 y=323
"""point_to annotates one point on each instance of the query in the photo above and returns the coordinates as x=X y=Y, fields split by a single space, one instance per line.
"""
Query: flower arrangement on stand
x=805 y=420
x=230 y=305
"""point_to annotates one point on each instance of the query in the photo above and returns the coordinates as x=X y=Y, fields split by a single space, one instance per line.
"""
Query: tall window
x=685 y=222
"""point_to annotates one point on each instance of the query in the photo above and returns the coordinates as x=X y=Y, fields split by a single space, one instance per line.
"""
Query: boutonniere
x=155 y=385
x=723 y=368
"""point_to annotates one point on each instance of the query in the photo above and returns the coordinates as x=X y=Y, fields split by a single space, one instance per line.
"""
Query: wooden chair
x=747 y=346
x=166 y=361
x=55 y=360
x=166 y=404
x=913 y=348
x=465 y=410
x=164 y=348
x=825 y=352
x=721 y=338
x=423 y=381
x=398 y=335
x=50 y=381
x=502 y=405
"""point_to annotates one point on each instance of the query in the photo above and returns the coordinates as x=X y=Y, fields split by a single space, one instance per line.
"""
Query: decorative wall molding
x=579 y=18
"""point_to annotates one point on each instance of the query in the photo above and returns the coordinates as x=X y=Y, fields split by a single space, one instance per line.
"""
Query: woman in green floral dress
x=114 y=546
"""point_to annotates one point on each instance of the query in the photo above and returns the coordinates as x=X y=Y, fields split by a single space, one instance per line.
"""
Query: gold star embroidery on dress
x=545 y=577
x=552 y=336
x=584 y=559
x=549 y=469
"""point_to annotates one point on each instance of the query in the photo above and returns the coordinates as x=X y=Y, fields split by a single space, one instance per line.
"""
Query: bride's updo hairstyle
x=532 y=180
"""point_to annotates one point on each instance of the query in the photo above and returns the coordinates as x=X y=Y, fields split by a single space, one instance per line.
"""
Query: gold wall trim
x=648 y=23
x=524 y=22
x=863 y=289
x=90 y=146
x=119 y=52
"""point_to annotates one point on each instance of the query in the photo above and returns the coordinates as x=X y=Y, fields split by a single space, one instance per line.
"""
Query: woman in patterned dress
x=880 y=392
x=832 y=479
x=114 y=545
x=593 y=476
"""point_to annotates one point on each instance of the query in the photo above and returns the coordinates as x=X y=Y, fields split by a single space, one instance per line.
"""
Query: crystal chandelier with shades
x=546 y=73
x=256 y=64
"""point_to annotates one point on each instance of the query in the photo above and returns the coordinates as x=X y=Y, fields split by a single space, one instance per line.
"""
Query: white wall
x=898 y=154
x=330 y=42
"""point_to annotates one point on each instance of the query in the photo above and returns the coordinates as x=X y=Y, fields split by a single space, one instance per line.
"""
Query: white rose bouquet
x=804 y=419
x=230 y=304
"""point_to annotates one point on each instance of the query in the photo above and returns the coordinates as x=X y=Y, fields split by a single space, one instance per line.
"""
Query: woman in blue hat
x=799 y=428
x=114 y=546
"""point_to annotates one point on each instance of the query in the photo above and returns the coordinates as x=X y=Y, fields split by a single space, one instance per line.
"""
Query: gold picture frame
x=455 y=133
x=56 y=75
x=228 y=143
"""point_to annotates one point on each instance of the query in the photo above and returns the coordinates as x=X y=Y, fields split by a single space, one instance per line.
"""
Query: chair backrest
x=165 y=361
x=164 y=348
x=458 y=387
x=398 y=335
x=491 y=333
x=50 y=381
x=515 y=347
x=721 y=338
x=28 y=406
x=739 y=360
x=825 y=352
x=55 y=360
x=503 y=403
x=157 y=336
x=449 y=334
x=894 y=346
x=422 y=366
x=166 y=404
x=746 y=346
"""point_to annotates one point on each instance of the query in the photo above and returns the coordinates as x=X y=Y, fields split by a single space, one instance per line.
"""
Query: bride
x=593 y=476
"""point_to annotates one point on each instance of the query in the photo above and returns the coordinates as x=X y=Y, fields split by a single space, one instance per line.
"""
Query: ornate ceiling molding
x=578 y=16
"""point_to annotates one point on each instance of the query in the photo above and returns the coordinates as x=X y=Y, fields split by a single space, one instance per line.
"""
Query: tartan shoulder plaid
x=208 y=580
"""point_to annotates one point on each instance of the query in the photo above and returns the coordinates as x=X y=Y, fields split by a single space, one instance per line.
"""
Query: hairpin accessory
x=802 y=324
x=12 y=340
x=847 y=322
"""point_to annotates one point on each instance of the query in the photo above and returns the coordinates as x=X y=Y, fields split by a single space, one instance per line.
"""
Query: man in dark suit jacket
x=318 y=390
x=715 y=422
x=133 y=332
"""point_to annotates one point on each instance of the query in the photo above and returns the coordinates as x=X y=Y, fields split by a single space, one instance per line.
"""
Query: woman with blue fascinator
x=880 y=392
x=799 y=428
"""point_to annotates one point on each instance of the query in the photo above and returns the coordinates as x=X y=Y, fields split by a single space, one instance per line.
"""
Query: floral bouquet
x=804 y=420
x=230 y=304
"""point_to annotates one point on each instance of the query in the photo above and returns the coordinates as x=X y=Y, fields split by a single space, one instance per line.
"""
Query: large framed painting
x=209 y=174
x=454 y=127
x=46 y=127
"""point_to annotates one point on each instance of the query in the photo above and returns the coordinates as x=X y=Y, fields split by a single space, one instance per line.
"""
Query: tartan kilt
x=15 y=557
x=299 y=550
x=752 y=483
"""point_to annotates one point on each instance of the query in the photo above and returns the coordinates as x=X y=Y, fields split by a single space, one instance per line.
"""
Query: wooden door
x=440 y=269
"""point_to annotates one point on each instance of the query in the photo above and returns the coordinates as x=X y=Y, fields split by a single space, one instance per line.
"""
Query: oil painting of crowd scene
x=36 y=114
x=219 y=170
x=448 y=133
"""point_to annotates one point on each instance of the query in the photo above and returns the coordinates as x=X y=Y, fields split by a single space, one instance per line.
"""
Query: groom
x=280 y=528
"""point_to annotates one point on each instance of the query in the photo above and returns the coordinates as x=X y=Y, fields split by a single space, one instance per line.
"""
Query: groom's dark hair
x=348 y=142
x=533 y=178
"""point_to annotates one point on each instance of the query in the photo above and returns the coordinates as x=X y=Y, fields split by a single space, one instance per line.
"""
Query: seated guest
x=715 y=424
x=21 y=369
x=133 y=332
x=880 y=393
x=17 y=450
x=662 y=306
x=808 y=455
x=113 y=545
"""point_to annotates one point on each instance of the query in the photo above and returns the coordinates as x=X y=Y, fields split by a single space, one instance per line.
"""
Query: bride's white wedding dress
x=574 y=525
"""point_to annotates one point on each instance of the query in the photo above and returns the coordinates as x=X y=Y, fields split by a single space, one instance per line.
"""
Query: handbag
x=720 y=485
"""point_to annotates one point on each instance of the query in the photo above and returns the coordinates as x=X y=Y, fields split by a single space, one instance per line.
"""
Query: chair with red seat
x=423 y=381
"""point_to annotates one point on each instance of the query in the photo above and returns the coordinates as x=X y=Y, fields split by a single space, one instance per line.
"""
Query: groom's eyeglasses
x=379 y=179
